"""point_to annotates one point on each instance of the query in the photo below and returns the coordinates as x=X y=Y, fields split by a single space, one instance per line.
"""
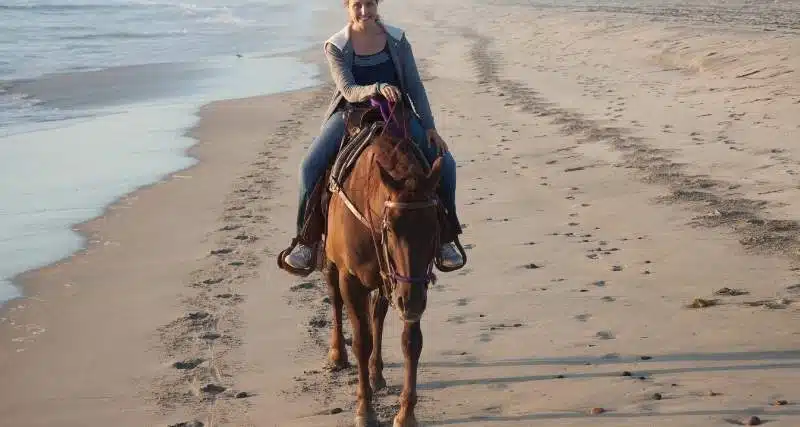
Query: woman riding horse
x=368 y=58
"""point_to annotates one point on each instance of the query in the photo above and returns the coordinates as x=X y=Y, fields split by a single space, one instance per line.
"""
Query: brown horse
x=382 y=235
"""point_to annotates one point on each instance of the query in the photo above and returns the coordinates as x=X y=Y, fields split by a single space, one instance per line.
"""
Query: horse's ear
x=388 y=179
x=435 y=173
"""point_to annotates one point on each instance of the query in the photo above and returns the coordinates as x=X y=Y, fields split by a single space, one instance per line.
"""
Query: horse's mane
x=397 y=157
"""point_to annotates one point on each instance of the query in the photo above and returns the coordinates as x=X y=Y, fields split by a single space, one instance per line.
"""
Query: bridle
x=390 y=277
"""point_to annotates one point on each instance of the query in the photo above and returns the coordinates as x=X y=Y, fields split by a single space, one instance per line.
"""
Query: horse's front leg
x=337 y=355
x=356 y=299
x=378 y=308
x=412 y=348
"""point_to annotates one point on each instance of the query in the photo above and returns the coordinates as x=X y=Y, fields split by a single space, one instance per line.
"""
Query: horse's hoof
x=409 y=422
x=377 y=383
x=337 y=361
x=337 y=365
x=367 y=421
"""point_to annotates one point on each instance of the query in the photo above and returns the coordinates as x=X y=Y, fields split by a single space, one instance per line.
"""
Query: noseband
x=388 y=272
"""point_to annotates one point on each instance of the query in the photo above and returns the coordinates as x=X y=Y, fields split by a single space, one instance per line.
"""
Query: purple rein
x=387 y=112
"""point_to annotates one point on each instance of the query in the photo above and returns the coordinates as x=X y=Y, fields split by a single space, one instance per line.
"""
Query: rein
x=389 y=117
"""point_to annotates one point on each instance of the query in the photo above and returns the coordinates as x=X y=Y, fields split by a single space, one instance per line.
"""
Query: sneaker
x=299 y=257
x=451 y=257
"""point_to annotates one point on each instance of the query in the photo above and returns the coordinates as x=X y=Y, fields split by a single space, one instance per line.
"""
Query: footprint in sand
x=213 y=389
x=605 y=335
x=221 y=251
x=505 y=326
x=498 y=386
x=212 y=281
x=187 y=364
x=458 y=319
x=302 y=286
x=461 y=302
x=210 y=336
x=233 y=298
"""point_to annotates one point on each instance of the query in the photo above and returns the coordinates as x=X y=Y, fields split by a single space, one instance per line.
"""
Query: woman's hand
x=391 y=93
x=437 y=141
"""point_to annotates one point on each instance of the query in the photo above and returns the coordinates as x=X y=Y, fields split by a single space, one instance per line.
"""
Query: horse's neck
x=364 y=186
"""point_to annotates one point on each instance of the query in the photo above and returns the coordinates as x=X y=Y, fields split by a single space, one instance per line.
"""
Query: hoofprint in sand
x=629 y=195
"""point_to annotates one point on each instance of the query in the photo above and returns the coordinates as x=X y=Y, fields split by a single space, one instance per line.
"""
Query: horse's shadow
x=618 y=415
x=791 y=358
x=636 y=365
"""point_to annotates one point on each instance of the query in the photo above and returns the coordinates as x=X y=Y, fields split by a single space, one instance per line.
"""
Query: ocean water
x=96 y=97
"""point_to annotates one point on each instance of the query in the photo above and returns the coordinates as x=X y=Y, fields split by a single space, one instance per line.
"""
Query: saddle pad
x=349 y=152
x=354 y=144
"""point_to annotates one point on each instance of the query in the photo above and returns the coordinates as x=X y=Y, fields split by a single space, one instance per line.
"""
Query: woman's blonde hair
x=347 y=2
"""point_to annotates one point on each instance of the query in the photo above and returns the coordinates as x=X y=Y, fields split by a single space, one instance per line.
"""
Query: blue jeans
x=323 y=149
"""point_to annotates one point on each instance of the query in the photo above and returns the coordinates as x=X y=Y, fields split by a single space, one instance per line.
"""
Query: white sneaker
x=299 y=257
x=450 y=256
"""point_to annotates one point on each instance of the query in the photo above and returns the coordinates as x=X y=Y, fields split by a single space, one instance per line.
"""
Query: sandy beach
x=629 y=183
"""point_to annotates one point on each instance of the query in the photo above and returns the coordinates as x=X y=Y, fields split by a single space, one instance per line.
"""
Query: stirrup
x=302 y=272
x=437 y=260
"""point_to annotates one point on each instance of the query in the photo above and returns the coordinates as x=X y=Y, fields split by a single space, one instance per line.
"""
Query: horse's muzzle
x=410 y=318
x=410 y=302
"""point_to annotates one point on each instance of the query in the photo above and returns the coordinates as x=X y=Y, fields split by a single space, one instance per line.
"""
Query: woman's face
x=362 y=11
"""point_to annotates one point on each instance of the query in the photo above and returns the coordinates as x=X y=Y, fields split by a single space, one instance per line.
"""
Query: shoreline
x=16 y=281
x=102 y=234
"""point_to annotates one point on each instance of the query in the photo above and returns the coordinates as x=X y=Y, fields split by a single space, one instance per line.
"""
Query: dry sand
x=613 y=168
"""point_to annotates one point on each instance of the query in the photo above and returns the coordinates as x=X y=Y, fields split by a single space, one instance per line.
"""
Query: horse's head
x=410 y=236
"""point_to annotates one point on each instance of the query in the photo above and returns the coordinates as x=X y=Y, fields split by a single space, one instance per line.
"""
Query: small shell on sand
x=597 y=411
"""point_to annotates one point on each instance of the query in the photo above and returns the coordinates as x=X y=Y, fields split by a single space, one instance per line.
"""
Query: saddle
x=362 y=124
